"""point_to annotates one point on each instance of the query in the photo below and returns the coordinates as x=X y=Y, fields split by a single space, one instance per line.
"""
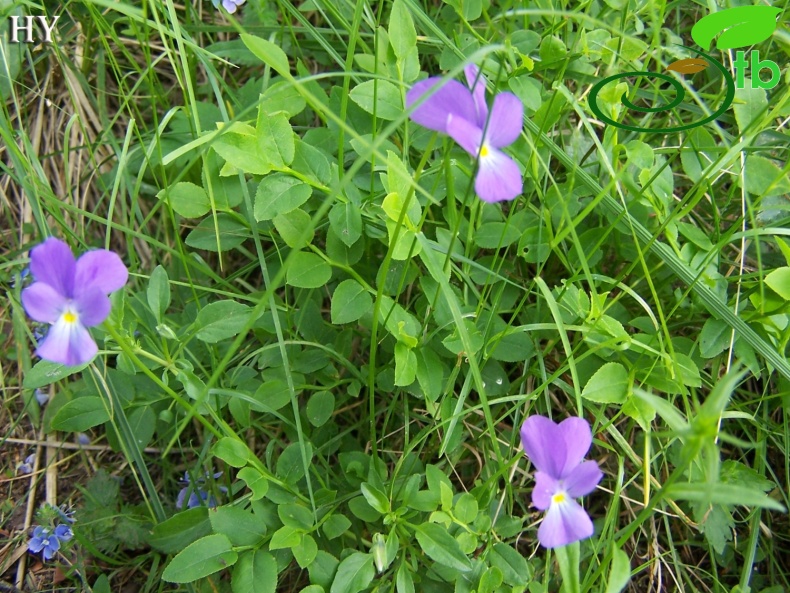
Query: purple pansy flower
x=229 y=5
x=71 y=296
x=557 y=451
x=462 y=114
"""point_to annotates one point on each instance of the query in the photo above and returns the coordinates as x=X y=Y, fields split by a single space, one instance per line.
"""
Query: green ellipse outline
x=728 y=98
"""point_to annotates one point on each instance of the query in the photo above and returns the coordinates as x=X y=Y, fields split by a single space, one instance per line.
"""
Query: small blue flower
x=197 y=495
x=27 y=466
x=49 y=542
x=42 y=397
x=83 y=439
x=229 y=5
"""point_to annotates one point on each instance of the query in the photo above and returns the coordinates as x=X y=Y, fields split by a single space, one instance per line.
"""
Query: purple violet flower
x=71 y=296
x=557 y=451
x=229 y=5
x=26 y=467
x=463 y=115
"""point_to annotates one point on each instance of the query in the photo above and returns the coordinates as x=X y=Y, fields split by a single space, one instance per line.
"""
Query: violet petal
x=102 y=269
x=498 y=177
x=445 y=98
x=576 y=434
x=583 y=479
x=466 y=133
x=477 y=83
x=68 y=343
x=43 y=302
x=52 y=262
x=565 y=523
x=506 y=121
x=545 y=488
x=93 y=306
x=543 y=444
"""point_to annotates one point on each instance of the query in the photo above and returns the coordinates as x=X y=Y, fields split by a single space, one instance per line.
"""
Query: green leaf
x=323 y=570
x=199 y=559
x=714 y=338
x=239 y=147
x=779 y=282
x=296 y=516
x=742 y=26
x=346 y=221
x=285 y=537
x=275 y=139
x=354 y=574
x=619 y=572
x=292 y=226
x=279 y=193
x=350 y=301
x=441 y=547
x=255 y=481
x=255 y=572
x=45 y=372
x=430 y=373
x=336 y=525
x=187 y=199
x=307 y=270
x=290 y=465
x=405 y=365
x=158 y=292
x=221 y=320
x=272 y=396
x=311 y=162
x=609 y=384
x=763 y=178
x=750 y=105
x=568 y=560
x=231 y=234
x=180 y=530
x=320 y=407
x=242 y=528
x=403 y=36
x=404 y=582
x=493 y=235
x=514 y=567
x=305 y=551
x=269 y=53
x=232 y=451
x=80 y=414
x=725 y=494
x=380 y=98
x=375 y=497
x=282 y=97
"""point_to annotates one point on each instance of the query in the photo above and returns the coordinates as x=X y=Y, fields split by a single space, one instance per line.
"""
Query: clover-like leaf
x=741 y=26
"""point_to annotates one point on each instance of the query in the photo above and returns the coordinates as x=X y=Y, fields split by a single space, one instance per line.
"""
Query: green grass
x=659 y=255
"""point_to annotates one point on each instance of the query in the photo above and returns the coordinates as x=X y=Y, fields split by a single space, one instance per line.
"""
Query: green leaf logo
x=742 y=26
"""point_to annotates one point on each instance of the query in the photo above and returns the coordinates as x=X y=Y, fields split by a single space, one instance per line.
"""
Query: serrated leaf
x=292 y=225
x=199 y=559
x=275 y=139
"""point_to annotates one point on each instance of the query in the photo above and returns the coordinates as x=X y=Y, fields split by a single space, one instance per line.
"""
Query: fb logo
x=739 y=27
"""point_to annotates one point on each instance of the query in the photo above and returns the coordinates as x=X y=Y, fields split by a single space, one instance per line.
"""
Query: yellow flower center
x=558 y=498
x=69 y=317
x=484 y=151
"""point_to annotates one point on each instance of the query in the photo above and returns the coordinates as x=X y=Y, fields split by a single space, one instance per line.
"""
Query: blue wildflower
x=26 y=467
x=83 y=439
x=42 y=397
x=49 y=540
x=197 y=495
